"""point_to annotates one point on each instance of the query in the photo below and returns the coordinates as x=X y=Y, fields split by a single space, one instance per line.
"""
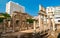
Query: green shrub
x=30 y=20
x=5 y=16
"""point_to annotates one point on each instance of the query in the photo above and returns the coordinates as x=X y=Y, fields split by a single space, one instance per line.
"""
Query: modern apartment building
x=12 y=6
x=55 y=11
x=57 y=14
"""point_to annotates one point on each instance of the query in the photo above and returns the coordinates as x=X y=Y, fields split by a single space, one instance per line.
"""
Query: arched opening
x=17 y=22
x=17 y=25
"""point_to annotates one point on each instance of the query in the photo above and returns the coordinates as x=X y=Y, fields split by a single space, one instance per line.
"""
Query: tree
x=30 y=20
x=5 y=16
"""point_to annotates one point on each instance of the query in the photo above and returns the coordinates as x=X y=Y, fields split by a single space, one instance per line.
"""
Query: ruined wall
x=18 y=20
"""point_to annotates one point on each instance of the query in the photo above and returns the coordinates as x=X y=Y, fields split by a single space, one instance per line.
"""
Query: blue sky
x=31 y=6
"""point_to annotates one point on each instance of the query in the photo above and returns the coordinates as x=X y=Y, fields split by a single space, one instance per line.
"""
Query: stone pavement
x=50 y=33
x=54 y=34
x=20 y=32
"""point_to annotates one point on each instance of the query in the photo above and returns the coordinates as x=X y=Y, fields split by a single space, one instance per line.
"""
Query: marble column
x=4 y=31
x=13 y=25
x=34 y=26
x=39 y=22
x=8 y=23
x=44 y=23
x=49 y=23
x=53 y=24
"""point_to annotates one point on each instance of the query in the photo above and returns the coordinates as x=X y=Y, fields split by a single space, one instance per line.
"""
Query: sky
x=31 y=6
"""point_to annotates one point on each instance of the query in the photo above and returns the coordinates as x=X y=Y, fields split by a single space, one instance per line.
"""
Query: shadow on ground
x=58 y=35
x=28 y=35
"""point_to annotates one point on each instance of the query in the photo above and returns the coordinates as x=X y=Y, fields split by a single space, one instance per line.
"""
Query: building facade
x=57 y=14
x=12 y=6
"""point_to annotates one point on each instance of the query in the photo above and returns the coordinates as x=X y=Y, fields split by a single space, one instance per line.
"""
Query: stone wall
x=18 y=20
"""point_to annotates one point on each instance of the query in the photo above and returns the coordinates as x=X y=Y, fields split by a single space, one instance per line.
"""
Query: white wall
x=55 y=12
x=11 y=7
x=57 y=17
x=8 y=8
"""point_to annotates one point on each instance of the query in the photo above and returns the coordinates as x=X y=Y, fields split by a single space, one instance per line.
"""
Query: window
x=48 y=9
x=51 y=9
x=58 y=20
x=17 y=21
x=57 y=17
